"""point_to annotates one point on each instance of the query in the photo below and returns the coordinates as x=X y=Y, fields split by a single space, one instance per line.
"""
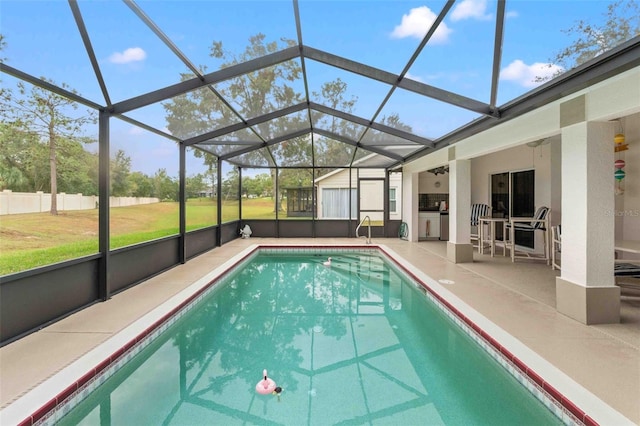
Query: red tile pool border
x=552 y=393
x=113 y=358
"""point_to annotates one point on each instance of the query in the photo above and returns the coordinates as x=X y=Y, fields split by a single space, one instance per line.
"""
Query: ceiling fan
x=539 y=142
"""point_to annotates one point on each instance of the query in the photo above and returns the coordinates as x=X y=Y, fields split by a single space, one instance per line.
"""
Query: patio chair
x=627 y=274
x=539 y=222
x=478 y=211
x=556 y=248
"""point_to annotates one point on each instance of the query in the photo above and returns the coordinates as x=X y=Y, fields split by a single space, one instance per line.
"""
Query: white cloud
x=525 y=75
x=467 y=9
x=132 y=54
x=135 y=130
x=417 y=23
x=511 y=14
x=414 y=77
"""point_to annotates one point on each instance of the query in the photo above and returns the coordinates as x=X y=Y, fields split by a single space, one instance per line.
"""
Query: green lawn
x=31 y=240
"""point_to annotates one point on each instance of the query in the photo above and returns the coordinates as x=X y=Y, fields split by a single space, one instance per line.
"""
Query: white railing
x=368 y=238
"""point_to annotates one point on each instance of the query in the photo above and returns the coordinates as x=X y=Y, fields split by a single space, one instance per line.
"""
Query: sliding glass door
x=513 y=195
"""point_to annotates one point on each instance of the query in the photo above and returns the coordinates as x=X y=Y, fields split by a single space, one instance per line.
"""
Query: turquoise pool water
x=352 y=343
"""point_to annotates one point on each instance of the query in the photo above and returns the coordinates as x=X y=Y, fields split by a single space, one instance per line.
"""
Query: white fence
x=29 y=202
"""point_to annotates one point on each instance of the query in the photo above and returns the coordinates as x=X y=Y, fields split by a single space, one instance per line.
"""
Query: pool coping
x=548 y=379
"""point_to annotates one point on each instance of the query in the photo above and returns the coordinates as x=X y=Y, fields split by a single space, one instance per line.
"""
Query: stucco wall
x=627 y=205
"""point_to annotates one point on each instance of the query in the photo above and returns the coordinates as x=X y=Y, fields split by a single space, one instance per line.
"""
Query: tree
x=3 y=44
x=195 y=185
x=77 y=168
x=257 y=93
x=230 y=185
x=260 y=185
x=141 y=185
x=165 y=187
x=253 y=94
x=24 y=163
x=49 y=116
x=120 y=171
x=622 y=22
x=21 y=157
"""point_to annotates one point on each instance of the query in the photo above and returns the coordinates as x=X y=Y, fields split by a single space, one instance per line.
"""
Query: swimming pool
x=365 y=346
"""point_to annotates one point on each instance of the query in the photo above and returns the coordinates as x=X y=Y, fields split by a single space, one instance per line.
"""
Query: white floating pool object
x=327 y=262
x=266 y=385
x=447 y=282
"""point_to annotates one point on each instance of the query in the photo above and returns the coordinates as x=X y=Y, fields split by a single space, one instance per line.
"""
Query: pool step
x=364 y=274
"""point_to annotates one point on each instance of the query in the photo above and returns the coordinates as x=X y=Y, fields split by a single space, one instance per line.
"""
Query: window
x=392 y=200
x=335 y=203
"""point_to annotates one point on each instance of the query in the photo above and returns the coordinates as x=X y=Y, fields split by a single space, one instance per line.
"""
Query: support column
x=104 y=179
x=459 y=248
x=586 y=289
x=182 y=197
x=410 y=203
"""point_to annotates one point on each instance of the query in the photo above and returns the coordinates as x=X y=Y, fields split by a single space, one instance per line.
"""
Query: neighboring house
x=208 y=192
x=337 y=197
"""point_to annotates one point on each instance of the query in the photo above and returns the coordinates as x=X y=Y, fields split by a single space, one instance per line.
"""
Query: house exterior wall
x=503 y=147
x=514 y=159
x=340 y=179
x=627 y=205
x=433 y=184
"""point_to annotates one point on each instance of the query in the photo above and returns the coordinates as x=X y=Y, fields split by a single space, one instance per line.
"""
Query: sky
x=43 y=40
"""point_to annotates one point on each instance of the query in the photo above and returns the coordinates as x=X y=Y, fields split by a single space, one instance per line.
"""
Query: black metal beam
x=446 y=96
x=75 y=10
x=8 y=69
x=167 y=41
x=377 y=126
x=104 y=167
x=336 y=136
x=223 y=142
x=146 y=127
x=211 y=78
x=341 y=138
x=270 y=142
x=249 y=123
x=616 y=61
x=219 y=203
x=391 y=79
x=425 y=39
x=242 y=151
x=162 y=36
x=182 y=197
x=303 y=65
x=497 y=54
x=288 y=136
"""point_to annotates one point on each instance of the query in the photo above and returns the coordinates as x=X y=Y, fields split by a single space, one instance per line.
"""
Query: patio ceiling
x=262 y=136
